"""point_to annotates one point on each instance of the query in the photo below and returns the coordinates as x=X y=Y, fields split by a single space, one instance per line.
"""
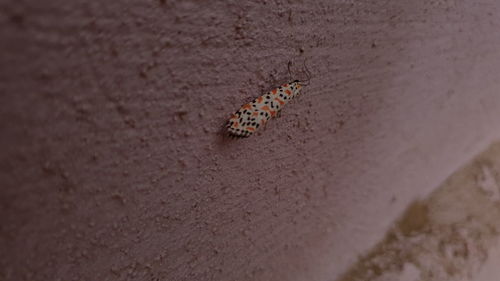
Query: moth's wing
x=249 y=118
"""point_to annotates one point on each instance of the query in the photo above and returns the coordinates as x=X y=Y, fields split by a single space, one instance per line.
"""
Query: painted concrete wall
x=112 y=164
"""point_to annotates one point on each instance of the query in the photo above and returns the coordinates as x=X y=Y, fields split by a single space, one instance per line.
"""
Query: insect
x=254 y=115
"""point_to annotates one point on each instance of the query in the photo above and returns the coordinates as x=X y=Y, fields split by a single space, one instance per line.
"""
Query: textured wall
x=112 y=165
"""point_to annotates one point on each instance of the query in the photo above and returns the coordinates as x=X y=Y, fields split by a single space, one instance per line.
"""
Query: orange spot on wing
x=247 y=106
x=266 y=108
x=286 y=85
x=255 y=113
x=236 y=124
x=272 y=113
x=234 y=116
x=274 y=91
x=288 y=92
x=250 y=129
x=280 y=101
x=259 y=99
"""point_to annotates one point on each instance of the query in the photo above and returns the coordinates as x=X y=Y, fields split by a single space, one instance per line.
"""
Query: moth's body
x=255 y=114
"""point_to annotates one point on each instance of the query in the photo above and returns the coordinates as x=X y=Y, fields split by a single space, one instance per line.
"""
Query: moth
x=254 y=115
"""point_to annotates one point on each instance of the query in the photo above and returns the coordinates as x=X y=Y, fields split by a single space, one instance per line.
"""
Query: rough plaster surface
x=112 y=166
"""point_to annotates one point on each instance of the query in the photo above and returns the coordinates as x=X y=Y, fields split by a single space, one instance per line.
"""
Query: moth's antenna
x=306 y=70
x=308 y=73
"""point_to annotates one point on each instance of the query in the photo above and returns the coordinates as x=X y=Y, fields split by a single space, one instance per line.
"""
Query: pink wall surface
x=113 y=167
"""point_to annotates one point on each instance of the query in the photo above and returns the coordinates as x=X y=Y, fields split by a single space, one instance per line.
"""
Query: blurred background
x=113 y=164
